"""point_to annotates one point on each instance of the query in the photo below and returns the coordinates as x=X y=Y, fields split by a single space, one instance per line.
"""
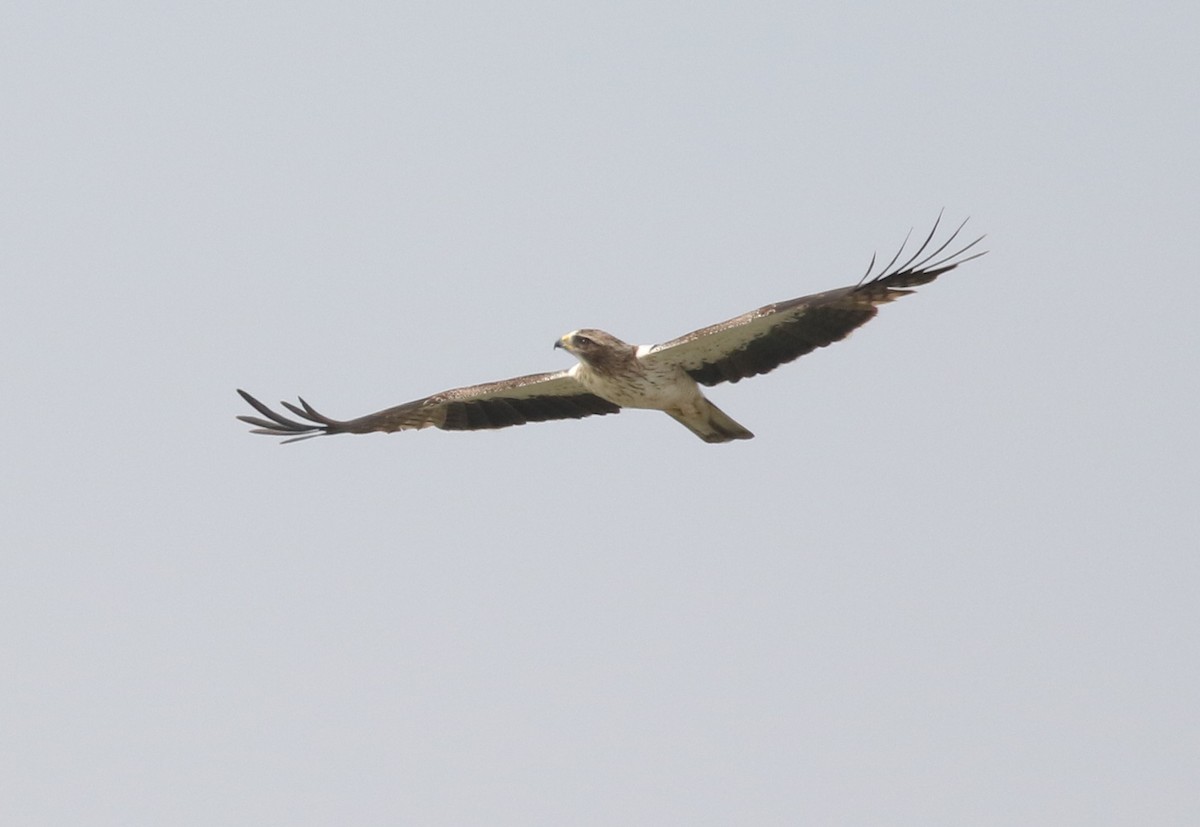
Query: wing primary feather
x=928 y=267
x=925 y=244
x=955 y=256
x=302 y=438
x=261 y=423
x=925 y=261
x=867 y=274
x=895 y=258
x=297 y=411
x=280 y=422
x=306 y=411
x=312 y=414
x=263 y=409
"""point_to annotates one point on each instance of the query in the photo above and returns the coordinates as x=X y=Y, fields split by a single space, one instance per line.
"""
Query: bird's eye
x=583 y=341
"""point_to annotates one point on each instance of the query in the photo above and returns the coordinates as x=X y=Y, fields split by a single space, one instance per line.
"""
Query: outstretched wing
x=763 y=339
x=534 y=398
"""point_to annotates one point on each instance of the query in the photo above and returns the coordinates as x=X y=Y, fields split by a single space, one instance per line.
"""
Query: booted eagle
x=611 y=374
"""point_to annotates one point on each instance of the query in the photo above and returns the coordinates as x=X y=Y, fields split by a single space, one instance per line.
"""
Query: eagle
x=611 y=375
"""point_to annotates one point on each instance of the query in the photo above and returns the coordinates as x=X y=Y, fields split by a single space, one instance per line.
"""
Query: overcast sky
x=953 y=580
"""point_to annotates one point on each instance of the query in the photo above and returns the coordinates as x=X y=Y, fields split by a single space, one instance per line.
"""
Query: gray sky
x=952 y=581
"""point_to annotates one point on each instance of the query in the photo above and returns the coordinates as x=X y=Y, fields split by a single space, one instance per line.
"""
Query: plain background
x=952 y=581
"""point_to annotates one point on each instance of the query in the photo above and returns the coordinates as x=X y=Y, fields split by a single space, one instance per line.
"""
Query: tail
x=712 y=424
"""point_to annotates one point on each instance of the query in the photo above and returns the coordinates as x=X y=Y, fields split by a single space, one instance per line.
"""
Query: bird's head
x=592 y=346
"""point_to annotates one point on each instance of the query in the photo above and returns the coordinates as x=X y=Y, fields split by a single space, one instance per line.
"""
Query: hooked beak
x=562 y=342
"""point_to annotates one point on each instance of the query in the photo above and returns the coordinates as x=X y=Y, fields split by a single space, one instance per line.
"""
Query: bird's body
x=630 y=377
x=611 y=374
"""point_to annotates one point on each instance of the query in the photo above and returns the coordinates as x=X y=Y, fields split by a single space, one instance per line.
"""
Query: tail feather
x=712 y=425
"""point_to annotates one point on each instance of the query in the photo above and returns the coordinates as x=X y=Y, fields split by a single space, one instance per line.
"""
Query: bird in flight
x=611 y=375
